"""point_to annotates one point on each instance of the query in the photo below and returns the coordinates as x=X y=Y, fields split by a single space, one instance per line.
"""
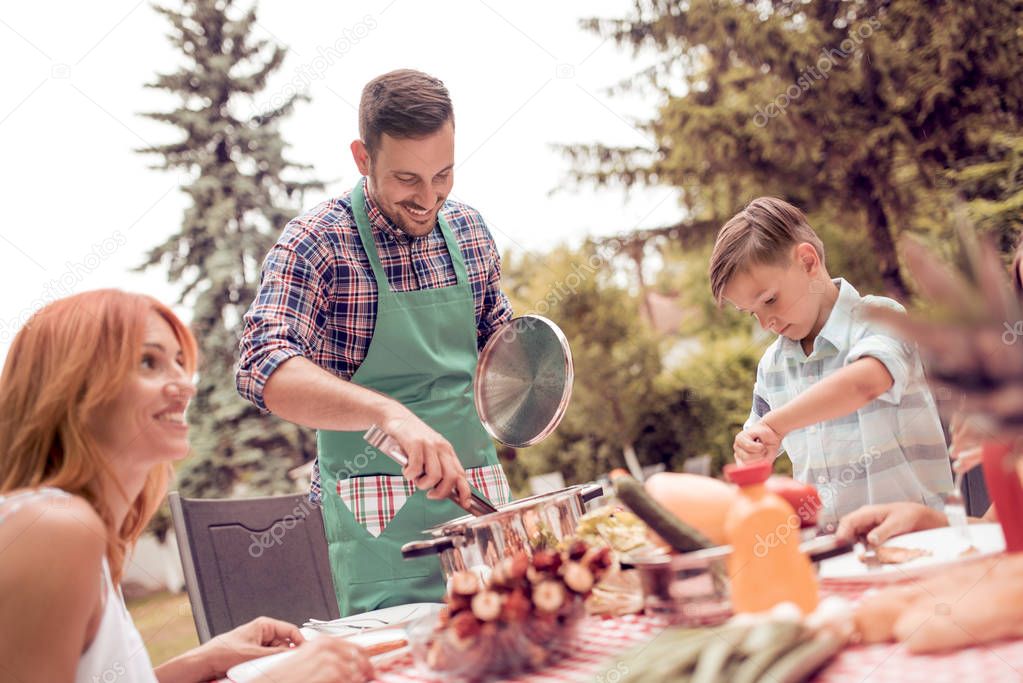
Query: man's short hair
x=761 y=234
x=403 y=104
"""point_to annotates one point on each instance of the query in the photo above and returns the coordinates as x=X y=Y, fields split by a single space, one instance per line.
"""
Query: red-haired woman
x=92 y=414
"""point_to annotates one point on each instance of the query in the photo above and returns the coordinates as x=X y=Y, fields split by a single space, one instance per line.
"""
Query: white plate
x=386 y=616
x=254 y=670
x=945 y=544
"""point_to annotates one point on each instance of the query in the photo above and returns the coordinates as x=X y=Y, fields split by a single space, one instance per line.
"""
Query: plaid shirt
x=317 y=296
x=891 y=449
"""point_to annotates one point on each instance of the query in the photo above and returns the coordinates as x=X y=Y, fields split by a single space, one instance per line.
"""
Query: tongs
x=386 y=444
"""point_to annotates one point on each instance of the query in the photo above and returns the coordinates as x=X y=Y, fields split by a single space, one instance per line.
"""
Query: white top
x=116 y=652
x=889 y=450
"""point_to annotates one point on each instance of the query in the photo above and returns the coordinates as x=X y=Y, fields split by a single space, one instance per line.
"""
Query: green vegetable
x=770 y=633
x=668 y=657
x=716 y=654
x=798 y=664
x=614 y=526
x=765 y=644
x=673 y=530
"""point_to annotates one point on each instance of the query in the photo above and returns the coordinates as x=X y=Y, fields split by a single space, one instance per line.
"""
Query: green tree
x=244 y=190
x=994 y=184
x=854 y=110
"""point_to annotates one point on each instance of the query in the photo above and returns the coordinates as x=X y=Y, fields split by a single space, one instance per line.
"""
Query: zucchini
x=676 y=533
x=716 y=655
x=801 y=662
x=670 y=656
x=761 y=655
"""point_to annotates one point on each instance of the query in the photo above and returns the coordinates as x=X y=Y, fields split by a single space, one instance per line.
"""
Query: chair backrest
x=698 y=464
x=253 y=557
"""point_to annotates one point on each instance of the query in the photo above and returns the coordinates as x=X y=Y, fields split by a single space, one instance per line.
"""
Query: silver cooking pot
x=482 y=542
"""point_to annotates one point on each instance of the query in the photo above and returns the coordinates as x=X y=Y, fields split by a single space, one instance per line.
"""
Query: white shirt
x=892 y=449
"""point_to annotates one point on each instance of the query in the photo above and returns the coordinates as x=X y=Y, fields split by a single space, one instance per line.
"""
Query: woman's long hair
x=71 y=359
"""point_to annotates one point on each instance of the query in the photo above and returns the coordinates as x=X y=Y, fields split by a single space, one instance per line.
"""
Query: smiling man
x=371 y=310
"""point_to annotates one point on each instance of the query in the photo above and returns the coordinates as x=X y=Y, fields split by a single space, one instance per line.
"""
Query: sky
x=81 y=207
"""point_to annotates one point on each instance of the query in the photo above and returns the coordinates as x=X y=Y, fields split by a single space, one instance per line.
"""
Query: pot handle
x=424 y=548
x=590 y=492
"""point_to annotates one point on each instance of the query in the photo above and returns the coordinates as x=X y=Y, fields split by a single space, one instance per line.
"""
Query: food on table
x=965 y=605
x=619 y=593
x=766 y=566
x=514 y=621
x=543 y=536
x=675 y=532
x=803 y=498
x=776 y=647
x=701 y=502
x=381 y=648
x=890 y=554
x=971 y=550
x=614 y=526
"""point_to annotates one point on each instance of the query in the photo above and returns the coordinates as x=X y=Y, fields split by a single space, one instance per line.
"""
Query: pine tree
x=243 y=192
x=854 y=110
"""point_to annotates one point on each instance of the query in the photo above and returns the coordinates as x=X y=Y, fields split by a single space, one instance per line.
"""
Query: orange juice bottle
x=766 y=566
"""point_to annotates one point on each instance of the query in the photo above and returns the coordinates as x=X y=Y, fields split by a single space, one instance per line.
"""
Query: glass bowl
x=689 y=591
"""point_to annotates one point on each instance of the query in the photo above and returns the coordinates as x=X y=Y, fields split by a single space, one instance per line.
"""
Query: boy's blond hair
x=761 y=234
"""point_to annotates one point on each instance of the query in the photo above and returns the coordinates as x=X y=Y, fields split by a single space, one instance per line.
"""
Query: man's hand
x=756 y=443
x=432 y=462
x=881 y=522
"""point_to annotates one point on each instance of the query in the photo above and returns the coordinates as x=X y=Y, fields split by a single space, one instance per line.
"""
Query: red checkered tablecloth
x=593 y=658
x=601 y=640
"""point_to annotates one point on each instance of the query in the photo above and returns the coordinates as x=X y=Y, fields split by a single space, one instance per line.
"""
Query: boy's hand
x=880 y=522
x=756 y=443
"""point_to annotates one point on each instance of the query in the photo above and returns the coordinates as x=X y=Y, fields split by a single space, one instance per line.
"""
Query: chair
x=698 y=464
x=253 y=557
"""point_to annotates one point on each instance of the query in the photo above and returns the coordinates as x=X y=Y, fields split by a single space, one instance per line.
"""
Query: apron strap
x=369 y=244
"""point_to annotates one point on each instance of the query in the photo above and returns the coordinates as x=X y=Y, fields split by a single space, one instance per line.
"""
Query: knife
x=387 y=445
x=817 y=549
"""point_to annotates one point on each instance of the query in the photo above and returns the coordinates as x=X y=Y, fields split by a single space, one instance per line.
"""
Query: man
x=371 y=309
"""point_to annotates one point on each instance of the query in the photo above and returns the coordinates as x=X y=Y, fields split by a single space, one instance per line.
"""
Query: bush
x=698 y=408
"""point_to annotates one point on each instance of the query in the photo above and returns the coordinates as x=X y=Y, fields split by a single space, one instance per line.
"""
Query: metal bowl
x=685 y=589
x=482 y=542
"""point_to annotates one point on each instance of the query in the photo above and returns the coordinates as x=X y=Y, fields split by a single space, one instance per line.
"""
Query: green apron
x=423 y=355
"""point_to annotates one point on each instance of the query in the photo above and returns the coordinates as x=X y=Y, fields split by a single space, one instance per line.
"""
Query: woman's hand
x=323 y=660
x=880 y=522
x=258 y=638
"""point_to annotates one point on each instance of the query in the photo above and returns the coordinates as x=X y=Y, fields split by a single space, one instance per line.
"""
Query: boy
x=845 y=398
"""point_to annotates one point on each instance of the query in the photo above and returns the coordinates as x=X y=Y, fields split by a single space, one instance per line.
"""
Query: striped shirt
x=892 y=449
x=317 y=296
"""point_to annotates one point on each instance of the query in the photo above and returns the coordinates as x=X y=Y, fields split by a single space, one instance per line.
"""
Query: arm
x=744 y=447
x=496 y=309
x=282 y=327
x=845 y=391
x=52 y=560
x=304 y=393
x=324 y=660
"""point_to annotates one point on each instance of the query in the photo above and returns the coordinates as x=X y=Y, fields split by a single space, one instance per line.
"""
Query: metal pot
x=482 y=542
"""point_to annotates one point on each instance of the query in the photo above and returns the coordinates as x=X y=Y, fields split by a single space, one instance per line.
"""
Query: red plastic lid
x=749 y=473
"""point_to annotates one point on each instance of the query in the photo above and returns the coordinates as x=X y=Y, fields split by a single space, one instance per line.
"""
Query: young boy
x=842 y=396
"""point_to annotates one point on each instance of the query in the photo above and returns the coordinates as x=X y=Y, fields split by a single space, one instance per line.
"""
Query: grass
x=165 y=622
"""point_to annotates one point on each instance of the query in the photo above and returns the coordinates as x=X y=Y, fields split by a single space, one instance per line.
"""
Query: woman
x=92 y=414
